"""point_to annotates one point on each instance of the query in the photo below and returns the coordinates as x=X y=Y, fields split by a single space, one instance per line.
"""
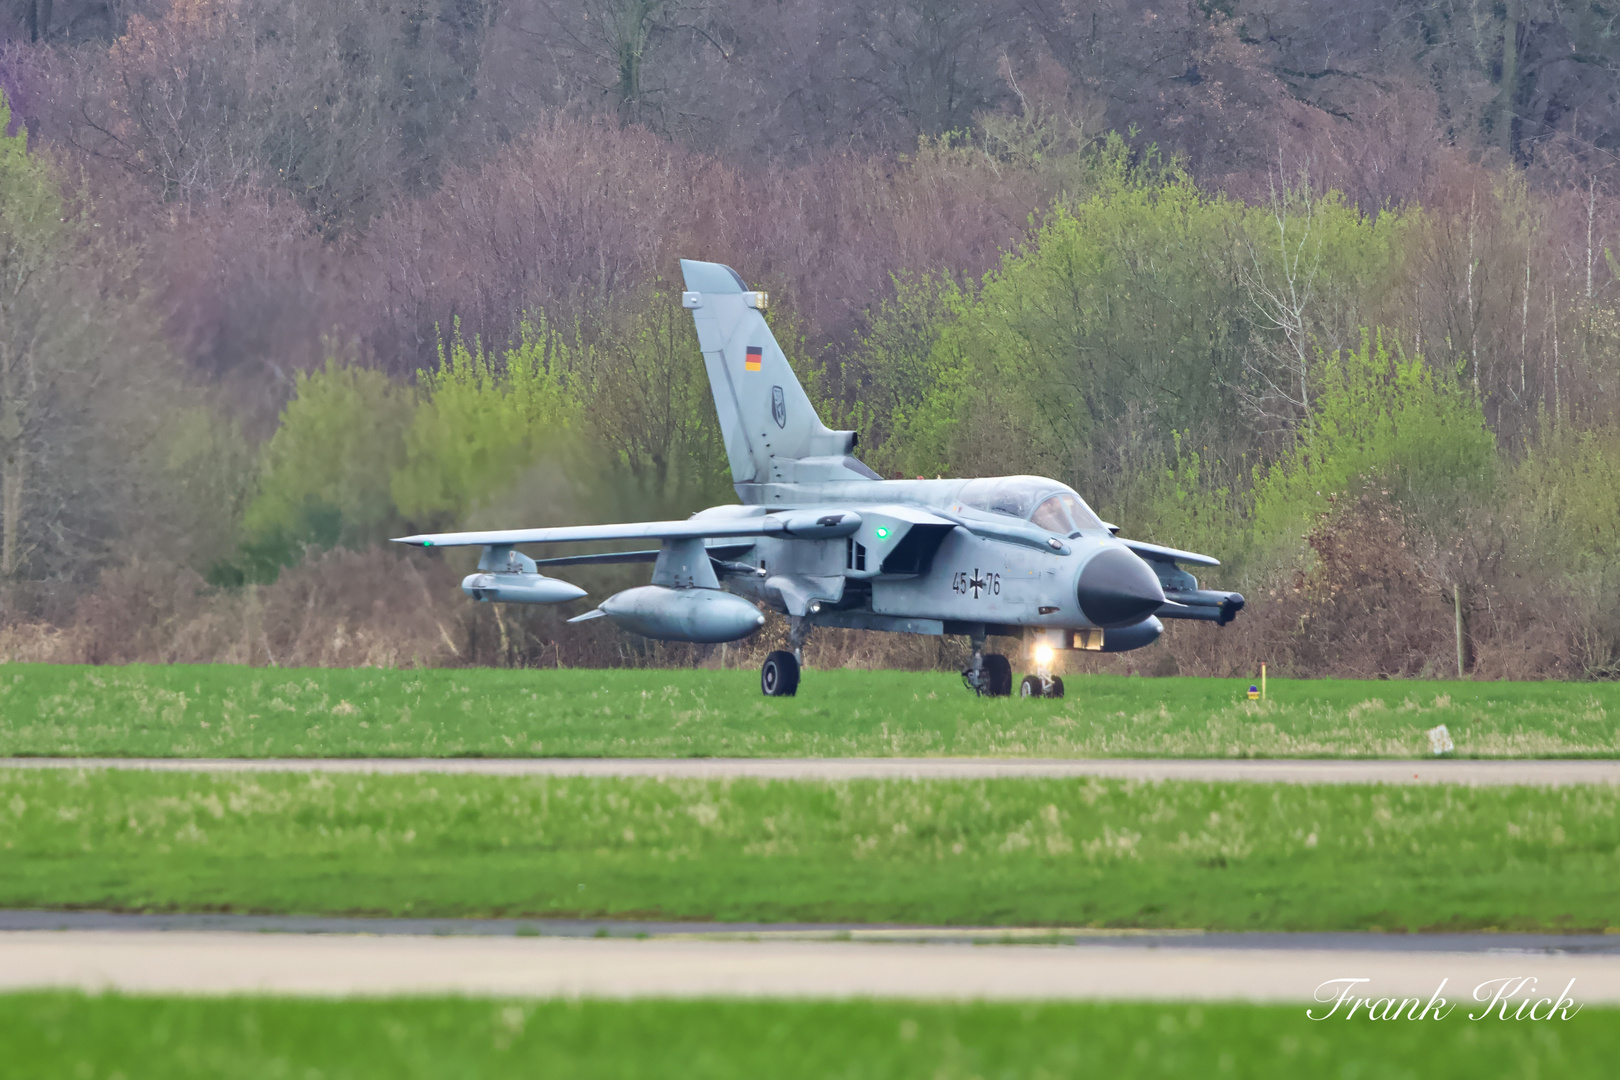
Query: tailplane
x=772 y=432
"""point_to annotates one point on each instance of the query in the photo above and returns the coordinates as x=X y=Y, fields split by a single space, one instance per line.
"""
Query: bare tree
x=1280 y=277
x=612 y=47
x=32 y=240
x=89 y=407
x=343 y=104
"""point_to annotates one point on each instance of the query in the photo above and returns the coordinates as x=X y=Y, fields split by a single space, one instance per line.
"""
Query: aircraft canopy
x=1045 y=503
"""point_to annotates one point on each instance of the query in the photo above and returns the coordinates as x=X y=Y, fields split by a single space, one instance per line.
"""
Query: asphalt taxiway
x=1336 y=941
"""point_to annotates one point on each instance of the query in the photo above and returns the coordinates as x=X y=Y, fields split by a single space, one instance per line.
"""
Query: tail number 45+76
x=975 y=584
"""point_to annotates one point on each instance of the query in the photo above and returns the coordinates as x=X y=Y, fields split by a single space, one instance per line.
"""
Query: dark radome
x=1117 y=588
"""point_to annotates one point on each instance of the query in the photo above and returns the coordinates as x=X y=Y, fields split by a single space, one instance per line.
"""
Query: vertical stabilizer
x=772 y=433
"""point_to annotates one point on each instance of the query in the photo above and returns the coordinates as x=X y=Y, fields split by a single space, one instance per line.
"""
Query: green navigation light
x=882 y=533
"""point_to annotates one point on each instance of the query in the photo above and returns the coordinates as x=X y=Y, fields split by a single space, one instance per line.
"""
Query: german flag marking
x=756 y=356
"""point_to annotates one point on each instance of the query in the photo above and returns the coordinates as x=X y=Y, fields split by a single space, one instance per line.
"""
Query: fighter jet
x=822 y=539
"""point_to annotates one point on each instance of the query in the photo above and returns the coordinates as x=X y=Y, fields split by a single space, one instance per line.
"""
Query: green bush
x=1134 y=326
x=324 y=475
x=1386 y=416
x=649 y=414
x=1124 y=311
x=1565 y=498
x=485 y=419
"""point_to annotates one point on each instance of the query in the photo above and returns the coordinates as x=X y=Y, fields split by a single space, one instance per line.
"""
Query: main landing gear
x=779 y=677
x=988 y=674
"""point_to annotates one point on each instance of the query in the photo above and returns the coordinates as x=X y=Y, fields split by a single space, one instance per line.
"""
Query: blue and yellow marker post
x=1256 y=693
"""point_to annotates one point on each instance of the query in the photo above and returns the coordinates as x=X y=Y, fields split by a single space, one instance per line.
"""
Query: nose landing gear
x=1041 y=682
x=1050 y=686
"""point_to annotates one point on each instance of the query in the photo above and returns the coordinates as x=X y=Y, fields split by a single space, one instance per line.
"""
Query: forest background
x=1326 y=289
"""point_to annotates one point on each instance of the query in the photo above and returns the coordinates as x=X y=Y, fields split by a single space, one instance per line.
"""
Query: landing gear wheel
x=1035 y=686
x=997 y=676
x=780 y=675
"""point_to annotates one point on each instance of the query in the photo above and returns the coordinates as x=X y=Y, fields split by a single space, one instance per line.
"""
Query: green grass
x=60 y=1035
x=204 y=711
x=1000 y=852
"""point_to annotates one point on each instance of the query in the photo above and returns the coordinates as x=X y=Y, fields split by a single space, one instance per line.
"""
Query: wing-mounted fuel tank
x=684 y=602
x=707 y=616
x=507 y=576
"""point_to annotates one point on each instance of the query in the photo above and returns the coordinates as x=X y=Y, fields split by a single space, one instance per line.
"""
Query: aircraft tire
x=1057 y=687
x=1030 y=687
x=998 y=675
x=779 y=677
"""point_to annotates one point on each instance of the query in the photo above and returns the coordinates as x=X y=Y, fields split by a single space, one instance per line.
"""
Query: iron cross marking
x=977 y=583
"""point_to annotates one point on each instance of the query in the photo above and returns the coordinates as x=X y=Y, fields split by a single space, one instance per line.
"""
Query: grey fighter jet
x=824 y=540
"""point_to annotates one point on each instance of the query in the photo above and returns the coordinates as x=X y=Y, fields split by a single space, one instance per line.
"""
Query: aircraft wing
x=714 y=551
x=818 y=524
x=1183 y=598
x=1155 y=553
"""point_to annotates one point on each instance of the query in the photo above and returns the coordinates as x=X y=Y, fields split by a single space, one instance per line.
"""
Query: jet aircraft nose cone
x=1117 y=588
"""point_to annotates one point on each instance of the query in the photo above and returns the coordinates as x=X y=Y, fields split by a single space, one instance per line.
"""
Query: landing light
x=1043 y=655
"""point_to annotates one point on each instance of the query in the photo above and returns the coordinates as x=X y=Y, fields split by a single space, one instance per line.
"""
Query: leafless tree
x=1280 y=274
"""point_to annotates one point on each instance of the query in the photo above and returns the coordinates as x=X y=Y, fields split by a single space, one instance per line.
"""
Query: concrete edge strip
x=362 y=965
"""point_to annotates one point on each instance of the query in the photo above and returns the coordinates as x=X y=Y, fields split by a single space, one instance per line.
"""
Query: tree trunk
x=1462 y=631
x=11 y=484
x=11 y=463
x=1509 y=91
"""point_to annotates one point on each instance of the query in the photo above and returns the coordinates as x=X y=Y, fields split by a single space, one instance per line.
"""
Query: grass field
x=202 y=711
x=1002 y=852
x=100 y=1038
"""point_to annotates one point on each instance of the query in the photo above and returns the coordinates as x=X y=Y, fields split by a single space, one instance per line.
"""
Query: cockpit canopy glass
x=1045 y=503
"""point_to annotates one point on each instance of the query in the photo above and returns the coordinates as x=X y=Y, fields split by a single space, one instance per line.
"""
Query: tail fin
x=772 y=432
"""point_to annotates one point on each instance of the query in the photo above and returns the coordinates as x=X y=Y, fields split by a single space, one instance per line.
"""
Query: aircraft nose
x=1117 y=589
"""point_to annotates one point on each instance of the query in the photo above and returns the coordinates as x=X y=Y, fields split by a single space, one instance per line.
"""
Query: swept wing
x=1156 y=553
x=828 y=524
